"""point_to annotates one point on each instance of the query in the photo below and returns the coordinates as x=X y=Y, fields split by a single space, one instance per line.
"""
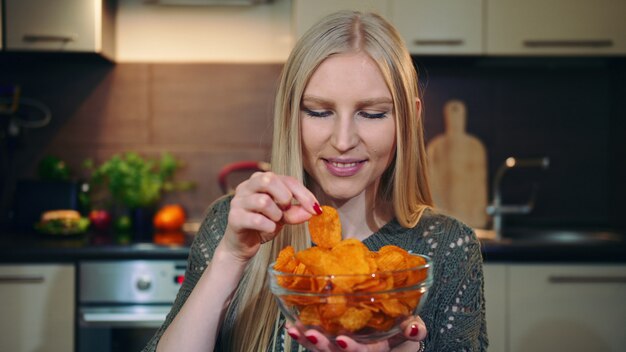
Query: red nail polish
x=414 y=330
x=293 y=335
x=317 y=208
x=312 y=338
x=342 y=344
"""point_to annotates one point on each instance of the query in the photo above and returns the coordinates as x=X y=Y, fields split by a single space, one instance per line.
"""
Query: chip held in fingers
x=341 y=287
x=325 y=228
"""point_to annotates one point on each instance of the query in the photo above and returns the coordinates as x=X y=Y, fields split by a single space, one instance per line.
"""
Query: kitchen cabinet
x=555 y=27
x=306 y=13
x=37 y=310
x=1 y=26
x=62 y=25
x=495 y=305
x=566 y=308
x=439 y=26
x=555 y=307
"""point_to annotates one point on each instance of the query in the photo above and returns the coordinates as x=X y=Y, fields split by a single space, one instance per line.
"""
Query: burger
x=62 y=222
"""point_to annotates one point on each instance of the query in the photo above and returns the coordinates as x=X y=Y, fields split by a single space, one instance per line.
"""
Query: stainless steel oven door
x=118 y=328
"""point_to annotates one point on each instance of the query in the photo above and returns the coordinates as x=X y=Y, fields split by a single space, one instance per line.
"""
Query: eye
x=372 y=116
x=313 y=113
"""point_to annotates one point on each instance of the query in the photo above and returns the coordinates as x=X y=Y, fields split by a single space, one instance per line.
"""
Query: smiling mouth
x=344 y=165
x=344 y=168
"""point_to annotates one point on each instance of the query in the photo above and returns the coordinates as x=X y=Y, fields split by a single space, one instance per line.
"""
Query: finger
x=260 y=203
x=240 y=219
x=311 y=339
x=415 y=329
x=270 y=183
x=349 y=345
x=302 y=194
x=296 y=215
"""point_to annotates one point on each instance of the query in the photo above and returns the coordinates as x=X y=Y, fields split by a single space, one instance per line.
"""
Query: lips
x=343 y=168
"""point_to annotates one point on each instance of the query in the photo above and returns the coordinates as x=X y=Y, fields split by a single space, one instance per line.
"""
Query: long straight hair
x=254 y=310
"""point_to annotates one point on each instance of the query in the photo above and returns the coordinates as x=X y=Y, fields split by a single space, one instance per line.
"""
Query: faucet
x=496 y=209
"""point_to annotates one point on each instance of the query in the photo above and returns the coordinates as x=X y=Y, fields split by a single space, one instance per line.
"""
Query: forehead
x=348 y=75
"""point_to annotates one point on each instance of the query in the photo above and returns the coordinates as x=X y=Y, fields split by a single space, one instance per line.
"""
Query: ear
x=418 y=106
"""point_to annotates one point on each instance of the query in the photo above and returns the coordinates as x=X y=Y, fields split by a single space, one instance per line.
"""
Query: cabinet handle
x=563 y=279
x=14 y=279
x=439 y=42
x=31 y=38
x=599 y=43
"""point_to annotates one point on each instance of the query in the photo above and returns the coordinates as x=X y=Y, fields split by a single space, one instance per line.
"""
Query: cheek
x=311 y=141
x=384 y=145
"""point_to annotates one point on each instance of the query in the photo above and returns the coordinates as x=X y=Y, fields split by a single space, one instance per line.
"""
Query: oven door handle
x=121 y=319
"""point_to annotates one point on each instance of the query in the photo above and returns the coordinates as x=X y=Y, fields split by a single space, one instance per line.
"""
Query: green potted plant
x=138 y=183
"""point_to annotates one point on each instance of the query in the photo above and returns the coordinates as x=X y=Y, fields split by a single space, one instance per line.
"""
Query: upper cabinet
x=307 y=12
x=439 y=26
x=61 y=25
x=491 y=27
x=555 y=27
x=1 y=26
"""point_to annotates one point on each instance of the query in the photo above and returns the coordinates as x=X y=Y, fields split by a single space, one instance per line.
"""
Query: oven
x=122 y=303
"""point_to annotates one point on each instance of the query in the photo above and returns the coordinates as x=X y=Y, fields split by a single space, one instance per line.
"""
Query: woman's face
x=348 y=126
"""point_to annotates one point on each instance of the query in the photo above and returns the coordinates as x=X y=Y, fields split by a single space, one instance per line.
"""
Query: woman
x=347 y=133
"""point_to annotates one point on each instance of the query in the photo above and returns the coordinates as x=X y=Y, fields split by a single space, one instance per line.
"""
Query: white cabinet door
x=307 y=12
x=574 y=308
x=556 y=27
x=440 y=26
x=60 y=25
x=37 y=308
x=495 y=305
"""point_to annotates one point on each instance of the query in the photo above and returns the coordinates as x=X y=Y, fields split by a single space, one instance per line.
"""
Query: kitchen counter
x=31 y=247
x=37 y=248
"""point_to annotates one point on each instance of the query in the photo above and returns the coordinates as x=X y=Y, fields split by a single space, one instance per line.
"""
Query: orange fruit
x=170 y=217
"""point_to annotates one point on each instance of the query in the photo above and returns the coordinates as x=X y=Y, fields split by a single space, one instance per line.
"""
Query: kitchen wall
x=210 y=104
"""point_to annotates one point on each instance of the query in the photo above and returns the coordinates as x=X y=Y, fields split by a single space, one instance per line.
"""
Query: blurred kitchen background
x=535 y=80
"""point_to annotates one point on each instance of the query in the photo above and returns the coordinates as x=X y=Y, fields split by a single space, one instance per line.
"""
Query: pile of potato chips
x=341 y=286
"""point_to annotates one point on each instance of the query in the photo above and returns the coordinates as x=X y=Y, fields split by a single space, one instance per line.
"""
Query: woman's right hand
x=259 y=208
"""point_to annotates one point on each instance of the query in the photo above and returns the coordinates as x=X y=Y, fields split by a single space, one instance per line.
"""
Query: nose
x=345 y=134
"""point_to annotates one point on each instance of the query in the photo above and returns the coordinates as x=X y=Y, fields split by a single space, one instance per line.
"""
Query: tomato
x=100 y=219
x=170 y=217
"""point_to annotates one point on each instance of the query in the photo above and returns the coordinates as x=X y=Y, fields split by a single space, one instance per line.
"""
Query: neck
x=362 y=215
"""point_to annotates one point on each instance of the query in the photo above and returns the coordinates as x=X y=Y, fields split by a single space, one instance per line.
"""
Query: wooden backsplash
x=205 y=114
x=208 y=115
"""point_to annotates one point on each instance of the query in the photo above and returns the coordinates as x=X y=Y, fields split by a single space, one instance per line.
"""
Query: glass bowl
x=364 y=307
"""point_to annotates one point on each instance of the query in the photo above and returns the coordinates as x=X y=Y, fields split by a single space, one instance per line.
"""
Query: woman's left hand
x=410 y=340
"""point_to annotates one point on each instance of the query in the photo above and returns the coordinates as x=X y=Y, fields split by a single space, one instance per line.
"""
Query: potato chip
x=325 y=229
x=355 y=318
x=310 y=316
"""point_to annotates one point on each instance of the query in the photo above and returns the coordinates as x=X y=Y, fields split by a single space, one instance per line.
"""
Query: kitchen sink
x=564 y=236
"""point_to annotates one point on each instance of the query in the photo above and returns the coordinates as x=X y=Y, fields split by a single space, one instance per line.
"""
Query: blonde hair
x=404 y=183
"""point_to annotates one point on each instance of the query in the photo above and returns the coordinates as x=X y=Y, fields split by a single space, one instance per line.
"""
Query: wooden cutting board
x=458 y=169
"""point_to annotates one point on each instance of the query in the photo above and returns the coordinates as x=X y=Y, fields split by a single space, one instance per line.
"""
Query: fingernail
x=312 y=339
x=342 y=344
x=317 y=208
x=414 y=330
x=293 y=335
x=285 y=207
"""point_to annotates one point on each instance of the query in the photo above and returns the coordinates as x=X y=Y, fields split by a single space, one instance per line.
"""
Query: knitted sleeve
x=455 y=312
x=200 y=254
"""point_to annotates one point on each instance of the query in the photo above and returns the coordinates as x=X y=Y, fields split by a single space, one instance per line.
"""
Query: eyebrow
x=364 y=102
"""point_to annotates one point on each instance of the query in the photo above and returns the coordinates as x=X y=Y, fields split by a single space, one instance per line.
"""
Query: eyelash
x=327 y=113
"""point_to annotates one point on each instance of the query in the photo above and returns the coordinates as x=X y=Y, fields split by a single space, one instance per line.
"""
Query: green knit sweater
x=454 y=312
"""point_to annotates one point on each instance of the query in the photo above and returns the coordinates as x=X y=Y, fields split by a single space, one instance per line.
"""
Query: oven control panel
x=130 y=281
